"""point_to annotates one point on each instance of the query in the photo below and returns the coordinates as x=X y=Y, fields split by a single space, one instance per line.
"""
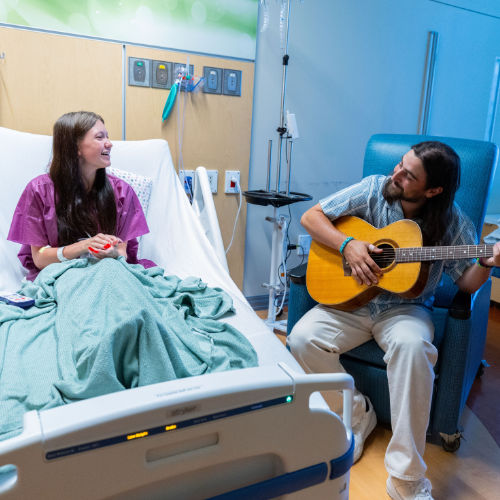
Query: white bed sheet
x=176 y=240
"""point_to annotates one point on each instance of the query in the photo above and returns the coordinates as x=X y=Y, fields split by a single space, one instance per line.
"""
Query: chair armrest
x=299 y=300
x=298 y=274
x=460 y=353
x=461 y=306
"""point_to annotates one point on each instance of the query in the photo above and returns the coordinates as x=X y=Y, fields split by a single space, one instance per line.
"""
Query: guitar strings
x=388 y=255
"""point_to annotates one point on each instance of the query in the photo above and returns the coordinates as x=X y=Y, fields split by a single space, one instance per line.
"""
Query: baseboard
x=261 y=302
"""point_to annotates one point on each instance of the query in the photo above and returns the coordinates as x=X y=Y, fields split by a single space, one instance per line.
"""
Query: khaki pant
x=405 y=333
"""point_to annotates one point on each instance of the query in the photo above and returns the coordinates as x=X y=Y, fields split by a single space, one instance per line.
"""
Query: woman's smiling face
x=94 y=149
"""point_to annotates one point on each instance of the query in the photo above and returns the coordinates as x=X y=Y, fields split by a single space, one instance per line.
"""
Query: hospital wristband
x=480 y=263
x=60 y=255
x=346 y=241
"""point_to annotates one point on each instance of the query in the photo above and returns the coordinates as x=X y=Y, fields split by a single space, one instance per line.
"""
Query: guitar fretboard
x=426 y=254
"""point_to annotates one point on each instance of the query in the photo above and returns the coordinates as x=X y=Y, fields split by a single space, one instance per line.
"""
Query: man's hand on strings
x=364 y=269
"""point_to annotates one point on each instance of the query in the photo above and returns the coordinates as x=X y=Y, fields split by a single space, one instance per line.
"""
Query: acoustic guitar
x=404 y=260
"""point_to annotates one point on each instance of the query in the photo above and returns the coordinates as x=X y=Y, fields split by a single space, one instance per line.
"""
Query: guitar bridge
x=346 y=267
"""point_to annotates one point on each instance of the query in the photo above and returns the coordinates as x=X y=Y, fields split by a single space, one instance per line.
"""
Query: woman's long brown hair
x=79 y=213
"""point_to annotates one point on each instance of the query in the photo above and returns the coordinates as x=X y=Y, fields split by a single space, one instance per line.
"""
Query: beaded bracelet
x=480 y=263
x=346 y=241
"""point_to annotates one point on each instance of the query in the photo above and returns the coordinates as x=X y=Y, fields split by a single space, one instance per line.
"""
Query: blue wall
x=356 y=69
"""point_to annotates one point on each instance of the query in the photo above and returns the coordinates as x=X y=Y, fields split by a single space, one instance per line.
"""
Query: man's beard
x=391 y=193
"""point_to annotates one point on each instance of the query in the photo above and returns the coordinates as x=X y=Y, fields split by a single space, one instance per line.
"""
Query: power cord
x=233 y=179
x=187 y=183
x=283 y=263
x=289 y=248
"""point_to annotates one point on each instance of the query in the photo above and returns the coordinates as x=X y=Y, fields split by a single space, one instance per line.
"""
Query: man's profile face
x=408 y=182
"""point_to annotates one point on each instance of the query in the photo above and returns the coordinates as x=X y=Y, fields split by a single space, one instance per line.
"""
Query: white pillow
x=141 y=185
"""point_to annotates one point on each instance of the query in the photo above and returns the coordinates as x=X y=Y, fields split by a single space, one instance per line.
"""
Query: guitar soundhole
x=386 y=258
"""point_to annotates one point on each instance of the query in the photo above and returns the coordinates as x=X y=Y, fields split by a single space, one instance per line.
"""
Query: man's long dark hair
x=79 y=213
x=442 y=166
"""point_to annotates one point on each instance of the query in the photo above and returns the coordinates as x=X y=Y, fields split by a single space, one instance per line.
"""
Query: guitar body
x=328 y=280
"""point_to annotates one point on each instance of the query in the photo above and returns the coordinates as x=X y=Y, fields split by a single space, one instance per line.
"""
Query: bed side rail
x=204 y=207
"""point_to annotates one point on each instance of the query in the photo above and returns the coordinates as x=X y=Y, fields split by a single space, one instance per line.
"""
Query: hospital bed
x=257 y=433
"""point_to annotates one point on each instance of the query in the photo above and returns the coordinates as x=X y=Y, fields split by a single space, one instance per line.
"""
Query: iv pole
x=278 y=220
x=278 y=198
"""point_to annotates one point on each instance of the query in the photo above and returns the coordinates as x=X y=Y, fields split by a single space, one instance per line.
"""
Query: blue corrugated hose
x=170 y=101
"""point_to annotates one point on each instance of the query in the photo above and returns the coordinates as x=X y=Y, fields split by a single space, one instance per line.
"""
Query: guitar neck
x=428 y=254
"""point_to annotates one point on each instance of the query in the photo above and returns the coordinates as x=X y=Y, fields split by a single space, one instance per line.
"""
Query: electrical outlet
x=231 y=187
x=305 y=244
x=189 y=181
x=213 y=177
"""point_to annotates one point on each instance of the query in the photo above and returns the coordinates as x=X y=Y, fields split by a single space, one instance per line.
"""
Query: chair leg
x=482 y=366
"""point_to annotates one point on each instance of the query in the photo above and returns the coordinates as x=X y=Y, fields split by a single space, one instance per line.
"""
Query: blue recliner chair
x=460 y=319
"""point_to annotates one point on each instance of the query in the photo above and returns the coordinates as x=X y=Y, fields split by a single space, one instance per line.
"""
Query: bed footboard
x=226 y=436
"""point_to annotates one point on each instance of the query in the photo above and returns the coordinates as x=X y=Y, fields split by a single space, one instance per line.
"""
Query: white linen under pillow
x=141 y=185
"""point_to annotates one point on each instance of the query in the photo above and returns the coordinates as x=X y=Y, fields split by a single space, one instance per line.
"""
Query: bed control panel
x=14 y=299
x=153 y=410
x=182 y=424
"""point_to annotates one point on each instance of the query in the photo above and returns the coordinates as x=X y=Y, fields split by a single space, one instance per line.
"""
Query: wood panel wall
x=44 y=76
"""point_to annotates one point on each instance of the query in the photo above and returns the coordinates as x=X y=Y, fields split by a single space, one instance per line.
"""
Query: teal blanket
x=101 y=327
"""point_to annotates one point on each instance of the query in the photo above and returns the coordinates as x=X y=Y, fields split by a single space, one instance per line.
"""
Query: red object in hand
x=107 y=246
x=92 y=250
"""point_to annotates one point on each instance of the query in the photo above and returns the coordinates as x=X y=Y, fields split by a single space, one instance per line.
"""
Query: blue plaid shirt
x=365 y=200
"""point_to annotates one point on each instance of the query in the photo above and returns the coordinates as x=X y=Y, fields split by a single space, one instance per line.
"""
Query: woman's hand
x=103 y=246
x=364 y=269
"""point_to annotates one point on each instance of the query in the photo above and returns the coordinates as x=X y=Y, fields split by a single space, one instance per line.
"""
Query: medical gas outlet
x=231 y=186
x=232 y=82
x=222 y=81
x=213 y=80
x=139 y=72
x=178 y=67
x=162 y=75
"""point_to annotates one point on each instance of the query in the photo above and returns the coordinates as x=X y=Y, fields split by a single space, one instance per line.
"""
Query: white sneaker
x=409 y=490
x=362 y=429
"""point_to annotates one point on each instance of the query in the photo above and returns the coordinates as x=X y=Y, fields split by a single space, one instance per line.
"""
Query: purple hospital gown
x=35 y=221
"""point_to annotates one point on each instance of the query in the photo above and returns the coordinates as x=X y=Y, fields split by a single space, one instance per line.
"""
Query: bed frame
x=258 y=433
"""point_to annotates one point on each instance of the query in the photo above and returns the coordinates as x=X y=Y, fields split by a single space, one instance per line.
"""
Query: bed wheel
x=451 y=442
x=279 y=314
